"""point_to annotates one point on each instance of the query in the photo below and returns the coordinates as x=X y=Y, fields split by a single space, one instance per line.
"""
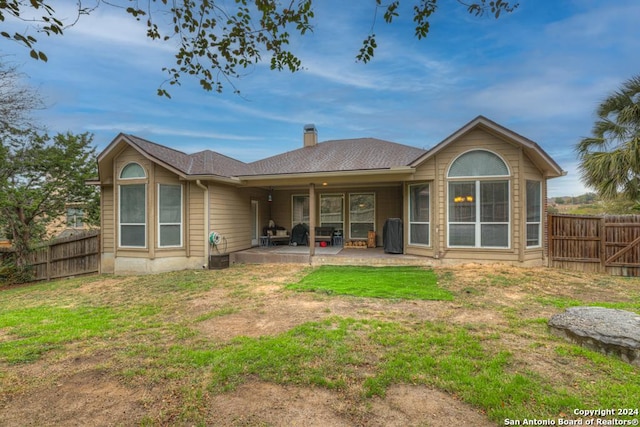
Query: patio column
x=312 y=219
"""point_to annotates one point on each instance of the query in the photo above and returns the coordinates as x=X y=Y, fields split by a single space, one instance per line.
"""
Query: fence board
x=609 y=243
x=71 y=256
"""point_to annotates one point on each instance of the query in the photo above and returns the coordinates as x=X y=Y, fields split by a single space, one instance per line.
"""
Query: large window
x=478 y=203
x=169 y=215
x=332 y=211
x=299 y=210
x=133 y=207
x=362 y=214
x=534 y=213
x=419 y=214
x=133 y=215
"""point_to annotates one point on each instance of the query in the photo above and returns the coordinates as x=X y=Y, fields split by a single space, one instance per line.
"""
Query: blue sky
x=540 y=71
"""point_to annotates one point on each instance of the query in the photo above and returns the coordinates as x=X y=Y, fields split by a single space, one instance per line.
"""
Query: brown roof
x=361 y=154
x=338 y=156
x=205 y=162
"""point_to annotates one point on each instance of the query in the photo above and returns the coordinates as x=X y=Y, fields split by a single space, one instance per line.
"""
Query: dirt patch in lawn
x=88 y=386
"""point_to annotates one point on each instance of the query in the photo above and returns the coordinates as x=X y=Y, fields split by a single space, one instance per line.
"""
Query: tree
x=610 y=158
x=39 y=175
x=42 y=175
x=217 y=40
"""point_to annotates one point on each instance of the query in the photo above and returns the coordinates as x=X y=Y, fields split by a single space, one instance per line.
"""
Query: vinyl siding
x=107 y=218
x=195 y=220
x=230 y=212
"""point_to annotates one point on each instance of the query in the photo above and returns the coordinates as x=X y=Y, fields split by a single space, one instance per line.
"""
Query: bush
x=11 y=274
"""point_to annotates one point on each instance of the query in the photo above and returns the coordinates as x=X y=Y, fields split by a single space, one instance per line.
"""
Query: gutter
x=207 y=226
x=288 y=176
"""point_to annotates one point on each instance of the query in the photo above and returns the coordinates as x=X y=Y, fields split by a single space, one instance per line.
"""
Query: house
x=477 y=195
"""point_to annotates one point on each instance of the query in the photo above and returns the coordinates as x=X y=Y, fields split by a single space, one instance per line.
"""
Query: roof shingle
x=339 y=156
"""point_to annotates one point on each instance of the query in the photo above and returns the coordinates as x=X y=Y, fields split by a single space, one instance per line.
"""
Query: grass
x=375 y=282
x=146 y=332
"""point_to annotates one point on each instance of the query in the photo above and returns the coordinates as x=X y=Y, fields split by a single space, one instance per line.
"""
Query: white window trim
x=341 y=195
x=474 y=177
x=135 y=177
x=477 y=223
x=362 y=222
x=539 y=223
x=293 y=220
x=428 y=223
x=172 y=223
x=120 y=224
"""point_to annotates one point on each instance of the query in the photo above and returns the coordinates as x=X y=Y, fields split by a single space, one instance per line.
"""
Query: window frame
x=144 y=172
x=180 y=224
x=477 y=200
x=351 y=221
x=342 y=212
x=428 y=222
x=120 y=223
x=295 y=221
x=540 y=210
x=75 y=217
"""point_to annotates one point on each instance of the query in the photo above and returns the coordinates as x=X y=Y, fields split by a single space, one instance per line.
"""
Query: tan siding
x=230 y=210
x=426 y=171
x=107 y=219
x=131 y=155
x=196 y=220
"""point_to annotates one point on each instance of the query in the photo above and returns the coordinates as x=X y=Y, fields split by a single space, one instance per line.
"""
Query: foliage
x=375 y=282
x=40 y=176
x=610 y=158
x=11 y=273
x=217 y=40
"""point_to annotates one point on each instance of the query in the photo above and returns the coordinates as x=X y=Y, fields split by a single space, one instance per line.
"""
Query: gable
x=483 y=133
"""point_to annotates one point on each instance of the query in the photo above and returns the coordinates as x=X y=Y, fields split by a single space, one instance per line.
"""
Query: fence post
x=550 y=240
x=48 y=262
x=603 y=243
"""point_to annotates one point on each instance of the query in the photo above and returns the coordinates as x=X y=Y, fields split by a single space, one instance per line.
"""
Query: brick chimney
x=310 y=135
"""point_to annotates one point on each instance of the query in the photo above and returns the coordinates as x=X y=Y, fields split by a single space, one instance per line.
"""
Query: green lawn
x=486 y=342
x=375 y=282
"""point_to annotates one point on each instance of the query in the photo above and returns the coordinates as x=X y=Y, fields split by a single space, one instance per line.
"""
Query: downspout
x=206 y=222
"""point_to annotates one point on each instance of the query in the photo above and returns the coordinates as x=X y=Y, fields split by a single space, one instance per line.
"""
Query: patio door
x=255 y=229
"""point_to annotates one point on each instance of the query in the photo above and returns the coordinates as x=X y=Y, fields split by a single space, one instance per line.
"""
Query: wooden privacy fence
x=609 y=243
x=70 y=256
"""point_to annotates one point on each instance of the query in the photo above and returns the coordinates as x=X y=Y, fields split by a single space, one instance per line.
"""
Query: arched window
x=132 y=171
x=132 y=217
x=478 y=201
x=478 y=163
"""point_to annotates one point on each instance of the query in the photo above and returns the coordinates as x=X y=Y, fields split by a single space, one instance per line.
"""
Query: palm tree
x=610 y=159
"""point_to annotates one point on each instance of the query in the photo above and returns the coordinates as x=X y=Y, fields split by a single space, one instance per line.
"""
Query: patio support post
x=312 y=219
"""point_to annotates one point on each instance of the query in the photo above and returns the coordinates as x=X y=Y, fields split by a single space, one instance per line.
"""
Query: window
x=362 y=214
x=75 y=218
x=478 y=208
x=332 y=211
x=132 y=171
x=478 y=163
x=133 y=214
x=299 y=210
x=534 y=213
x=169 y=215
x=419 y=214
